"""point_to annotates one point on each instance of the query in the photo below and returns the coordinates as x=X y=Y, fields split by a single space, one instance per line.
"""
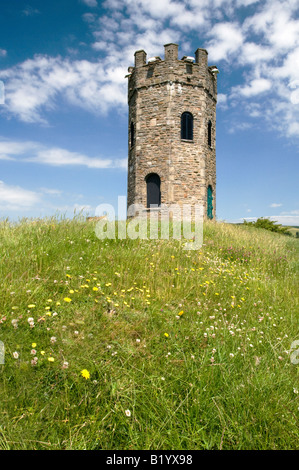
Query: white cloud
x=16 y=198
x=3 y=53
x=274 y=204
x=227 y=39
x=51 y=191
x=29 y=11
x=90 y=3
x=256 y=86
x=36 y=153
x=36 y=84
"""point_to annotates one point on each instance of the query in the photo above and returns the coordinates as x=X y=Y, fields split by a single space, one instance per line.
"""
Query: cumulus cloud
x=15 y=197
x=227 y=39
x=34 y=86
x=90 y=3
x=36 y=153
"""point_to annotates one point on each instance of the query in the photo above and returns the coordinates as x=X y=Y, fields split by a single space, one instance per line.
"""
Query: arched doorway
x=153 y=191
x=210 y=202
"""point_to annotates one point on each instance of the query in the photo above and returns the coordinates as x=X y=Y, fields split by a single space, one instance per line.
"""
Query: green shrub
x=268 y=225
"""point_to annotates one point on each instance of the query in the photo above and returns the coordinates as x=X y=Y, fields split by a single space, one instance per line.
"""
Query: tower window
x=209 y=134
x=187 y=126
x=153 y=184
x=210 y=202
x=150 y=72
x=189 y=69
x=132 y=132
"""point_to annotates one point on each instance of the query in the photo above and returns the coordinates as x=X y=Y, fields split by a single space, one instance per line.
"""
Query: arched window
x=210 y=202
x=153 y=191
x=209 y=134
x=132 y=132
x=187 y=126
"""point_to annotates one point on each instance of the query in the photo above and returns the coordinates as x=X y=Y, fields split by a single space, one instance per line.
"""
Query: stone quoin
x=172 y=130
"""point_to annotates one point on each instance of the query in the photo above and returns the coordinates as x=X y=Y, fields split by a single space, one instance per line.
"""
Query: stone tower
x=172 y=130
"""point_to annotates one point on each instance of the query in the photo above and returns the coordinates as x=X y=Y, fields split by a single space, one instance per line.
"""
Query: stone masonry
x=159 y=91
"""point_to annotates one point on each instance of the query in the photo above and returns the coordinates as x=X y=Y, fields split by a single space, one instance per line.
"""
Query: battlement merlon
x=191 y=70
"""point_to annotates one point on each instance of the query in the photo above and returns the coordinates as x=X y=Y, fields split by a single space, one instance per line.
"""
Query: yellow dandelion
x=181 y=312
x=51 y=359
x=166 y=335
x=31 y=305
x=33 y=345
x=71 y=291
x=85 y=374
x=67 y=299
x=43 y=353
x=95 y=288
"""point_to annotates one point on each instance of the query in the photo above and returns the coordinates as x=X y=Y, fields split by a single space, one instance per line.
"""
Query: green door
x=210 y=202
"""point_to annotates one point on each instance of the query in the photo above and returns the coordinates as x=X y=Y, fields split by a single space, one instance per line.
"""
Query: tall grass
x=183 y=349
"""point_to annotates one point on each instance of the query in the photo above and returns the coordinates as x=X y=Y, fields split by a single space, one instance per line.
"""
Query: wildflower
x=85 y=374
x=181 y=312
x=42 y=353
x=15 y=355
x=31 y=305
x=166 y=335
x=65 y=365
x=231 y=355
x=33 y=345
x=137 y=340
x=33 y=351
x=34 y=361
x=51 y=359
x=67 y=299
x=128 y=413
x=53 y=339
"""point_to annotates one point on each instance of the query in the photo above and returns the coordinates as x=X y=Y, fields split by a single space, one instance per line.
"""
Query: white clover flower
x=128 y=413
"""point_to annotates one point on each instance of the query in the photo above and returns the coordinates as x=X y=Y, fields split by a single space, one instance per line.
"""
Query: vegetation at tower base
x=140 y=344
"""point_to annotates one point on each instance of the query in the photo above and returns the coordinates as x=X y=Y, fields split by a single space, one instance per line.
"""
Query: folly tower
x=172 y=130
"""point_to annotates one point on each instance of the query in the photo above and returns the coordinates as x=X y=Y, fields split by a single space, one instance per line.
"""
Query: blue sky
x=63 y=100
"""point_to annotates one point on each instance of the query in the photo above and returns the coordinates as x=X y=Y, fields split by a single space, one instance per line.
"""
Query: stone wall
x=159 y=91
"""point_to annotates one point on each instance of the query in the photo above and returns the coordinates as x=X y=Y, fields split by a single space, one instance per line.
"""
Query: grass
x=183 y=349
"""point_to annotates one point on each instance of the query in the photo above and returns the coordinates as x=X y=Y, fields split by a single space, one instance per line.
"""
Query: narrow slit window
x=187 y=126
x=210 y=202
x=209 y=134
x=132 y=132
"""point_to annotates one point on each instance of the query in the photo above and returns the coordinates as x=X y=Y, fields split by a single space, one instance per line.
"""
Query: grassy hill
x=140 y=344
